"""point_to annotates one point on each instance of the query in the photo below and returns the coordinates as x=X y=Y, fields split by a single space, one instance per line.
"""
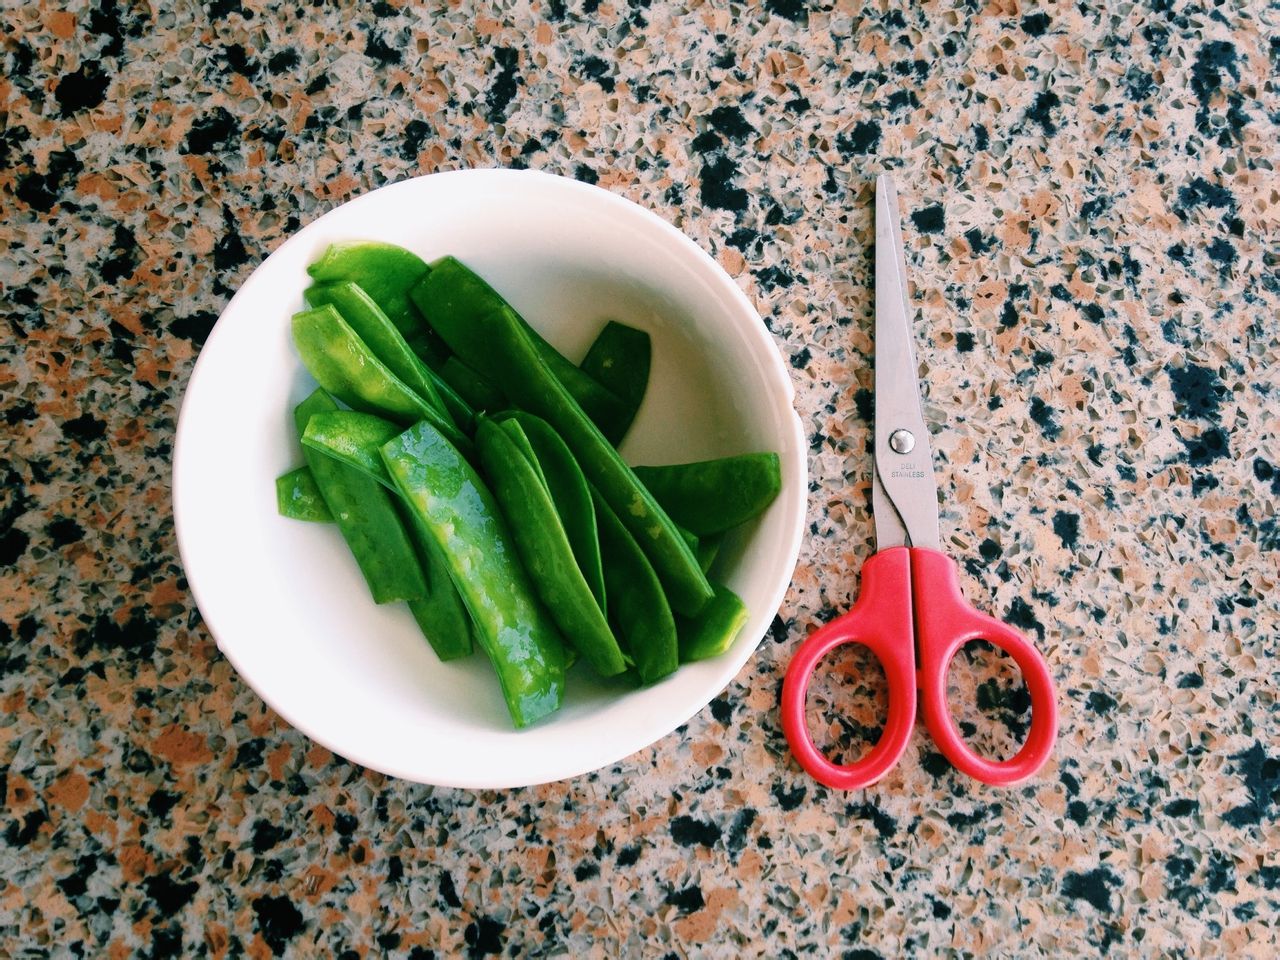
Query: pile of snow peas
x=473 y=471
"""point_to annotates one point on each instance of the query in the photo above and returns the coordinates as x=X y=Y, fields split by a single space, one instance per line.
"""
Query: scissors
x=910 y=612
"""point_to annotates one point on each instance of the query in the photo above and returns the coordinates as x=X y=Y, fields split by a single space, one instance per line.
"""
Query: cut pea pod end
x=713 y=630
x=354 y=438
x=298 y=497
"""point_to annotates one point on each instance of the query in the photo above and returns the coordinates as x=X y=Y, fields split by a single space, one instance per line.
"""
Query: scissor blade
x=906 y=478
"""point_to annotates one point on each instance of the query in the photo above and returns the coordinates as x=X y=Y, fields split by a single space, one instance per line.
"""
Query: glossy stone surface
x=1090 y=214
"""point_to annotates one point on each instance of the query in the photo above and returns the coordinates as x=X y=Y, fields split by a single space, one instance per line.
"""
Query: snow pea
x=540 y=537
x=638 y=607
x=379 y=334
x=707 y=550
x=345 y=366
x=355 y=439
x=497 y=344
x=427 y=346
x=462 y=412
x=712 y=496
x=451 y=294
x=479 y=392
x=571 y=495
x=458 y=510
x=366 y=517
x=298 y=497
x=384 y=271
x=619 y=361
x=711 y=632
x=441 y=615
x=517 y=436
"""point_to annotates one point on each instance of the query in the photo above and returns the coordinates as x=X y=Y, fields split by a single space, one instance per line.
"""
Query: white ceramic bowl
x=284 y=599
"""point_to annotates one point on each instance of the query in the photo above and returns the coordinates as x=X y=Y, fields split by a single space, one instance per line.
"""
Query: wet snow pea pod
x=619 y=361
x=384 y=271
x=544 y=547
x=452 y=294
x=345 y=366
x=711 y=632
x=298 y=497
x=355 y=439
x=570 y=494
x=712 y=496
x=366 y=515
x=497 y=343
x=637 y=604
x=457 y=508
x=380 y=336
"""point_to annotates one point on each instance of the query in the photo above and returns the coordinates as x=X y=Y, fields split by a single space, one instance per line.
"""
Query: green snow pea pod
x=451 y=294
x=711 y=632
x=441 y=615
x=458 y=510
x=427 y=346
x=540 y=537
x=496 y=343
x=570 y=493
x=515 y=433
x=690 y=539
x=366 y=516
x=380 y=336
x=619 y=361
x=355 y=439
x=707 y=550
x=462 y=412
x=638 y=606
x=712 y=496
x=298 y=497
x=384 y=271
x=479 y=392
x=345 y=366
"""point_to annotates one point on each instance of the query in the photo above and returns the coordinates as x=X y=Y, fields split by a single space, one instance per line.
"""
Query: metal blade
x=903 y=457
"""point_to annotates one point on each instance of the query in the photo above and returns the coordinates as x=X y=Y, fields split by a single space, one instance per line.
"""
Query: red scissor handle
x=945 y=622
x=881 y=621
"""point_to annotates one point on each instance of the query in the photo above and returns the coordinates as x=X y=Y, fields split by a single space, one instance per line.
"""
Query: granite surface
x=1092 y=240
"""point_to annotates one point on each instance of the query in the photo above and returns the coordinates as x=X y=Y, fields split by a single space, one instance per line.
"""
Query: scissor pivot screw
x=902 y=441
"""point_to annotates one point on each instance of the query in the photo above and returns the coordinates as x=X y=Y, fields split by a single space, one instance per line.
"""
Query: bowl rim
x=765 y=348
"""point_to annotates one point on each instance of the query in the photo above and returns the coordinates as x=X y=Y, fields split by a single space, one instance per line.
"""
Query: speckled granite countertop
x=1092 y=241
